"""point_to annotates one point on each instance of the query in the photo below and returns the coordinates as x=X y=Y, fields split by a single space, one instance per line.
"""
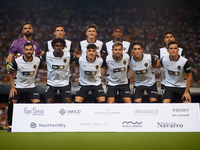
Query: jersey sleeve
x=153 y=59
x=104 y=49
x=158 y=54
x=43 y=57
x=39 y=49
x=14 y=48
x=79 y=47
x=72 y=58
x=76 y=61
x=161 y=62
x=71 y=49
x=183 y=53
x=14 y=65
x=187 y=67
x=41 y=64
x=129 y=50
x=46 y=47
x=104 y=63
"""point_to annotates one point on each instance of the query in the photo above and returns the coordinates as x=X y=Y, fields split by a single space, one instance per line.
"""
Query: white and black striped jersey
x=175 y=71
x=82 y=46
x=116 y=73
x=58 y=68
x=90 y=72
x=26 y=71
x=107 y=48
x=68 y=47
x=163 y=52
x=142 y=70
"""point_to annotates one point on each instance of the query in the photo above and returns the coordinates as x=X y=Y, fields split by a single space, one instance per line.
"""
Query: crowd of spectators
x=143 y=21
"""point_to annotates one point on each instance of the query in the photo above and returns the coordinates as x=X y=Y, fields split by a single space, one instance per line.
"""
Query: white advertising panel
x=106 y=118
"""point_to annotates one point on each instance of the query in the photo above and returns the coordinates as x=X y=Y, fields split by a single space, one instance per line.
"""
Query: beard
x=28 y=56
x=28 y=34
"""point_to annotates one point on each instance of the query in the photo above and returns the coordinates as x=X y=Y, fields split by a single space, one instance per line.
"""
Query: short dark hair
x=168 y=32
x=172 y=42
x=25 y=23
x=136 y=43
x=91 y=26
x=28 y=44
x=92 y=46
x=58 y=40
x=59 y=25
x=117 y=27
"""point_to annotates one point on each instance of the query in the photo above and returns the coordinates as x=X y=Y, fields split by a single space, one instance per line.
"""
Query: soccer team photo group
x=115 y=59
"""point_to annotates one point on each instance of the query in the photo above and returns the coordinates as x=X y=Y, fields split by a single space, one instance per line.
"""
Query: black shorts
x=124 y=90
x=162 y=89
x=171 y=92
x=31 y=92
x=83 y=90
x=51 y=91
x=151 y=91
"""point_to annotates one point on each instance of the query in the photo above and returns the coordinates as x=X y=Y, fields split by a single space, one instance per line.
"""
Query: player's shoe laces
x=8 y=130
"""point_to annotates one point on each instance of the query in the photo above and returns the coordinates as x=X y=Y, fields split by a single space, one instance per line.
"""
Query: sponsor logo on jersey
x=119 y=69
x=179 y=67
x=176 y=73
x=65 y=60
x=97 y=66
x=58 y=67
x=141 y=71
x=28 y=73
x=90 y=72
x=146 y=64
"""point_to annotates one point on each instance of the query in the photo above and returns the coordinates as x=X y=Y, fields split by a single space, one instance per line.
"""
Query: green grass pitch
x=100 y=141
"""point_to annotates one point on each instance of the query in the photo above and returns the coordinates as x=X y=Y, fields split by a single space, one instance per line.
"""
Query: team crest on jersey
x=65 y=46
x=35 y=66
x=124 y=62
x=97 y=66
x=65 y=60
x=146 y=64
x=97 y=47
x=124 y=48
x=179 y=67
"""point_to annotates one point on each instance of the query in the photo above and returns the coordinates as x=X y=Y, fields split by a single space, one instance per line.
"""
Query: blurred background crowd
x=144 y=20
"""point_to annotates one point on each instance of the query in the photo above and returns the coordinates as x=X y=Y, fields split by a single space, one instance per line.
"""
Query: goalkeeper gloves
x=9 y=67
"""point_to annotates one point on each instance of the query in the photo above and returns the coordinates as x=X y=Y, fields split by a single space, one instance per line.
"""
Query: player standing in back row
x=91 y=33
x=168 y=36
x=117 y=36
x=59 y=32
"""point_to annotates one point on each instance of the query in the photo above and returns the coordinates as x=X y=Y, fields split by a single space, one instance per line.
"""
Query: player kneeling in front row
x=116 y=74
x=90 y=75
x=176 y=67
x=58 y=67
x=26 y=67
x=142 y=67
